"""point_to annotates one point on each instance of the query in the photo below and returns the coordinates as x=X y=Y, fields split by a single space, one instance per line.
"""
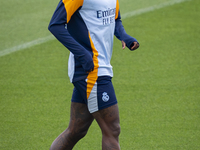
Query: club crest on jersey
x=105 y=97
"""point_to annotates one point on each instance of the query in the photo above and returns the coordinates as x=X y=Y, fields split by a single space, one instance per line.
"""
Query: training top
x=87 y=28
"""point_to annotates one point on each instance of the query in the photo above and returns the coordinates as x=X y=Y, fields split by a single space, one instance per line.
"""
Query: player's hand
x=123 y=44
x=90 y=70
x=134 y=46
x=88 y=64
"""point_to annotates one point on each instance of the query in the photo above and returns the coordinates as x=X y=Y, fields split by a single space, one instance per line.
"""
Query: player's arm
x=121 y=34
x=58 y=27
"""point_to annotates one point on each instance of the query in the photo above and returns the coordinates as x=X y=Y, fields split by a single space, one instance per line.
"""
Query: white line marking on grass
x=151 y=8
x=124 y=16
x=25 y=45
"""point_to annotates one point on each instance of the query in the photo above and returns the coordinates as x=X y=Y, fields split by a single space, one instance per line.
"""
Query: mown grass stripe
x=151 y=8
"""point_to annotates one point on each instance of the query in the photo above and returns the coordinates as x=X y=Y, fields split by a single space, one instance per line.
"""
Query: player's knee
x=78 y=133
x=82 y=133
x=113 y=130
x=116 y=130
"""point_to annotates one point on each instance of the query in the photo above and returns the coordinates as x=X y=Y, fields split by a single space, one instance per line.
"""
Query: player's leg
x=80 y=121
x=108 y=120
x=107 y=114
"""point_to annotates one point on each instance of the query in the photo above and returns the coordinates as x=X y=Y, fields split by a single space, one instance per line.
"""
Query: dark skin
x=81 y=119
x=134 y=46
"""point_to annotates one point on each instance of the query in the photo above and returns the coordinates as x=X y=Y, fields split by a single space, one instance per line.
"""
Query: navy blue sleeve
x=121 y=34
x=58 y=28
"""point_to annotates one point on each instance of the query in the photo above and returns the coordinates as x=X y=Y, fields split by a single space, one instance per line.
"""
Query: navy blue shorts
x=96 y=96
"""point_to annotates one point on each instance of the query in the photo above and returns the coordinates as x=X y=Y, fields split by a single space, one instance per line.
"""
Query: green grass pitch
x=157 y=86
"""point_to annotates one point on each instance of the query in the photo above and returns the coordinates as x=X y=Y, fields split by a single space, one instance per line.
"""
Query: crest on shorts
x=105 y=97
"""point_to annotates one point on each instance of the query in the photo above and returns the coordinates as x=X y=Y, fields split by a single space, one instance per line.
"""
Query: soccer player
x=86 y=28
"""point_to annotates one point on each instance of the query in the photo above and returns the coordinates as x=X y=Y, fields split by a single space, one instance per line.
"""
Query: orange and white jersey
x=87 y=28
